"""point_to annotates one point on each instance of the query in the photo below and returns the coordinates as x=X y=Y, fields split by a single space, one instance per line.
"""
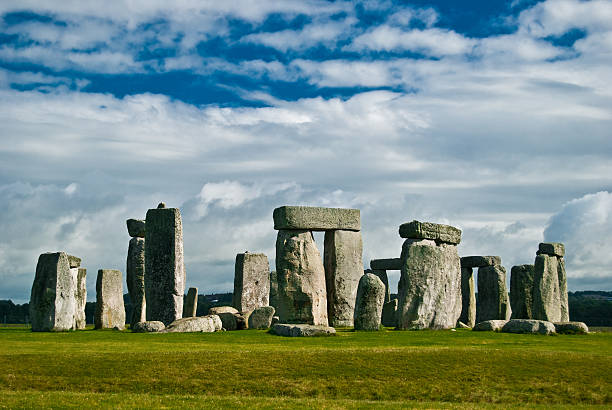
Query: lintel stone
x=316 y=218
x=136 y=228
x=386 y=264
x=429 y=230
x=552 y=248
x=480 y=261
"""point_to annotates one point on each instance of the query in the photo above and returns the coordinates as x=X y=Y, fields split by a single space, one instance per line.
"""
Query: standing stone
x=135 y=272
x=251 y=281
x=369 y=302
x=164 y=267
x=110 y=311
x=302 y=296
x=563 y=297
x=429 y=289
x=389 y=314
x=382 y=275
x=492 y=303
x=343 y=268
x=81 y=298
x=546 y=292
x=53 y=301
x=468 y=297
x=190 y=306
x=521 y=291
x=273 y=290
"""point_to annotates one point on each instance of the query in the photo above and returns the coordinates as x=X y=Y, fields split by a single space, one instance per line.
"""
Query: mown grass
x=255 y=369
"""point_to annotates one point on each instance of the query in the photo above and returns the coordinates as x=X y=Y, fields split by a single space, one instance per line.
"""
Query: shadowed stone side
x=343 y=267
x=273 y=299
x=110 y=311
x=468 y=297
x=521 y=291
x=386 y=264
x=479 y=261
x=251 y=281
x=389 y=314
x=546 y=294
x=571 y=328
x=136 y=228
x=563 y=297
x=314 y=218
x=429 y=230
x=429 y=289
x=164 y=267
x=190 y=305
x=81 y=298
x=135 y=278
x=493 y=302
x=52 y=301
x=551 y=248
x=369 y=303
x=261 y=318
x=302 y=295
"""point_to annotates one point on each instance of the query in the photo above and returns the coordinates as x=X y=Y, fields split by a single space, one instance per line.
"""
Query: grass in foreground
x=256 y=369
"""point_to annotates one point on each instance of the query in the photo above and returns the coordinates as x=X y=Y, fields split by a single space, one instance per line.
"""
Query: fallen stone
x=261 y=318
x=222 y=309
x=147 y=327
x=389 y=313
x=490 y=325
x=546 y=293
x=521 y=291
x=493 y=302
x=251 y=281
x=110 y=311
x=386 y=264
x=552 y=248
x=429 y=290
x=135 y=278
x=343 y=267
x=164 y=266
x=81 y=298
x=229 y=321
x=369 y=303
x=242 y=320
x=205 y=324
x=462 y=325
x=300 y=273
x=429 y=230
x=479 y=261
x=273 y=299
x=529 y=326
x=468 y=297
x=301 y=330
x=136 y=228
x=382 y=275
x=316 y=218
x=571 y=328
x=74 y=261
x=190 y=305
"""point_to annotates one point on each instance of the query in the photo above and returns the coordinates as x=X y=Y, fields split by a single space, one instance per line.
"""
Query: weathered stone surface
x=135 y=278
x=251 y=281
x=429 y=230
x=273 y=299
x=242 y=320
x=468 y=297
x=81 y=298
x=313 y=218
x=521 y=291
x=429 y=289
x=369 y=303
x=222 y=309
x=571 y=328
x=261 y=318
x=528 y=326
x=136 y=228
x=382 y=275
x=343 y=267
x=563 y=297
x=210 y=323
x=552 y=248
x=74 y=261
x=300 y=273
x=490 y=325
x=53 y=301
x=389 y=313
x=546 y=292
x=301 y=330
x=493 y=302
x=164 y=266
x=479 y=261
x=229 y=321
x=148 y=327
x=110 y=311
x=386 y=264
x=190 y=305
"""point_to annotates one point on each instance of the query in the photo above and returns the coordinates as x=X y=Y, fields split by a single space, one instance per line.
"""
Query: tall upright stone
x=302 y=296
x=343 y=269
x=429 y=289
x=110 y=310
x=550 y=284
x=468 y=297
x=273 y=299
x=493 y=302
x=135 y=278
x=521 y=291
x=369 y=303
x=190 y=306
x=251 y=281
x=53 y=297
x=164 y=266
x=81 y=298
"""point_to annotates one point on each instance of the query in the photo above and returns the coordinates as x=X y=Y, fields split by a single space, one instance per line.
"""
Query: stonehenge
x=521 y=291
x=110 y=310
x=251 y=281
x=135 y=270
x=550 y=284
x=190 y=304
x=492 y=302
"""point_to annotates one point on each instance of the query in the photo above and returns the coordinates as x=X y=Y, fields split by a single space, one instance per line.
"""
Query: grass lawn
x=252 y=368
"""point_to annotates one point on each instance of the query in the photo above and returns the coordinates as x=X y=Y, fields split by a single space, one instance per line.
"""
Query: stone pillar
x=273 y=299
x=550 y=284
x=521 y=291
x=251 y=282
x=389 y=313
x=53 y=298
x=468 y=297
x=190 y=306
x=493 y=302
x=429 y=289
x=343 y=269
x=164 y=267
x=81 y=298
x=110 y=311
x=135 y=270
x=369 y=303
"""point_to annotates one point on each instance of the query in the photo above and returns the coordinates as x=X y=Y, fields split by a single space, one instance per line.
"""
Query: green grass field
x=252 y=368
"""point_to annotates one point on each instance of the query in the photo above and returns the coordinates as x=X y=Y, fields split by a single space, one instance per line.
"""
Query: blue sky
x=493 y=116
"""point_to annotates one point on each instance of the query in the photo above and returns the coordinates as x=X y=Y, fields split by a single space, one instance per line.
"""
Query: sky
x=491 y=116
